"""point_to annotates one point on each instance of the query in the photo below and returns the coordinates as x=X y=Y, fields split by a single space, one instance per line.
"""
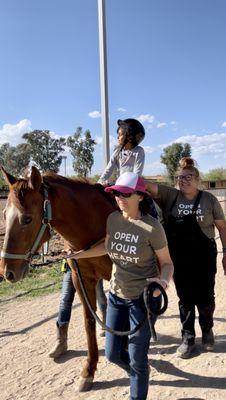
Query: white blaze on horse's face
x=11 y=213
x=12 y=216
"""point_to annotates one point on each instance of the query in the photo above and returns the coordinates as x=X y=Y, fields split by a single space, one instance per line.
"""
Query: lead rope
x=152 y=314
x=148 y=291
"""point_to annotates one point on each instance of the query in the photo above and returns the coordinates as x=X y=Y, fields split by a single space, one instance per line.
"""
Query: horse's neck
x=77 y=220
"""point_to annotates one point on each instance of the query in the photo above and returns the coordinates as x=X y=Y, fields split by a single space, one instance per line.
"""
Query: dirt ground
x=27 y=332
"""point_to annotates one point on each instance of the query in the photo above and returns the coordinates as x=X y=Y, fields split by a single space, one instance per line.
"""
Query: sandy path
x=27 y=333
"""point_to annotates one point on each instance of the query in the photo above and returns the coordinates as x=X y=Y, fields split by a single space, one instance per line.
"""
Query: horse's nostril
x=10 y=276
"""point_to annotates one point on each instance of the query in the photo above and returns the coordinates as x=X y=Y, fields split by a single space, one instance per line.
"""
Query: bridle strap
x=47 y=217
x=13 y=256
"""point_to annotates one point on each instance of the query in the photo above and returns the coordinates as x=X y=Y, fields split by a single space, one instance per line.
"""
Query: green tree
x=95 y=177
x=45 y=150
x=81 y=149
x=2 y=182
x=15 y=159
x=215 y=174
x=172 y=155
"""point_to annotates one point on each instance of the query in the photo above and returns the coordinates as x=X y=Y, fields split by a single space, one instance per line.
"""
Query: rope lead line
x=148 y=291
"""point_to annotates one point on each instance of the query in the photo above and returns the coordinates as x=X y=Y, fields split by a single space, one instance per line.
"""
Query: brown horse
x=79 y=211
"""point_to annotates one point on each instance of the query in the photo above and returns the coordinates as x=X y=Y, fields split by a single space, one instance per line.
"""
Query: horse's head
x=23 y=216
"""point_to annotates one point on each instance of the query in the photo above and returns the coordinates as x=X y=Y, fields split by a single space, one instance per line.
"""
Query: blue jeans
x=67 y=297
x=122 y=315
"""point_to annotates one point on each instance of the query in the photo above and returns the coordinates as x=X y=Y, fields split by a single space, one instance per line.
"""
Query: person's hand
x=224 y=263
x=66 y=252
x=104 y=183
x=70 y=253
x=162 y=282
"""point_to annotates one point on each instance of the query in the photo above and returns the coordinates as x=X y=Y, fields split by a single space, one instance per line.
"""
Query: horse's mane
x=51 y=178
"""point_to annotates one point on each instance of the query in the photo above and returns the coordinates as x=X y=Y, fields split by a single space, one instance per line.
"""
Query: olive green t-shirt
x=131 y=247
x=208 y=210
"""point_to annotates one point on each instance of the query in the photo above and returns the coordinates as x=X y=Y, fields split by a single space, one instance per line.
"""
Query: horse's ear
x=10 y=180
x=35 y=179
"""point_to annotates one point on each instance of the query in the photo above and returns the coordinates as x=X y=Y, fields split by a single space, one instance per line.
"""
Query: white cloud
x=213 y=144
x=146 y=118
x=161 y=124
x=12 y=134
x=173 y=122
x=99 y=139
x=94 y=114
x=121 y=109
x=57 y=136
x=148 y=149
x=154 y=168
x=223 y=125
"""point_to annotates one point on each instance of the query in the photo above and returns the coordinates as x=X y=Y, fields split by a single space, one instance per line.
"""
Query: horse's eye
x=26 y=219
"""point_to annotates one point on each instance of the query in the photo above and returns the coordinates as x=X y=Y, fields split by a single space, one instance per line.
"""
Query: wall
x=221 y=196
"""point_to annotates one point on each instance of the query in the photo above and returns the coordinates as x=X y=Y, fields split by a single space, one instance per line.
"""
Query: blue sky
x=166 y=67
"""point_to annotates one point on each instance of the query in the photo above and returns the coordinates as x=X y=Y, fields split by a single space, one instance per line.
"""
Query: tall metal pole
x=103 y=79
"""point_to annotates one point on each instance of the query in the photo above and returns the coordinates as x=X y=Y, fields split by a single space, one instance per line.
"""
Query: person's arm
x=221 y=227
x=139 y=162
x=111 y=167
x=94 y=251
x=152 y=188
x=166 y=268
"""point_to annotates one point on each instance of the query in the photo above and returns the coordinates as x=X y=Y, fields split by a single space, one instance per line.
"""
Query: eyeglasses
x=116 y=193
x=186 y=178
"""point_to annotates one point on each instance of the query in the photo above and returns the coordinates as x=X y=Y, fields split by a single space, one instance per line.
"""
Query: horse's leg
x=102 y=302
x=89 y=369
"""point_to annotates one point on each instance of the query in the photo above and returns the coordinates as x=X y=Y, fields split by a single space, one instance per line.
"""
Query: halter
x=47 y=217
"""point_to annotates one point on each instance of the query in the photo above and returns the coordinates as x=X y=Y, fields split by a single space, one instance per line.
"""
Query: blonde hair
x=189 y=164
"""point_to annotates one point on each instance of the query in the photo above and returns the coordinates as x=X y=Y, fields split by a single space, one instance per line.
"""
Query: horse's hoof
x=85 y=384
